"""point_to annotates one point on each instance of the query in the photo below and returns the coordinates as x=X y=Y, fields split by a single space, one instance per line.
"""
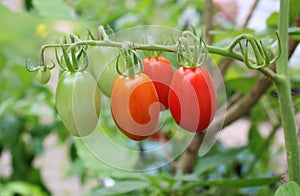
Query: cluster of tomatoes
x=137 y=97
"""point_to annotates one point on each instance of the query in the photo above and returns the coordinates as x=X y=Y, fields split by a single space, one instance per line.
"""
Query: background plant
x=232 y=169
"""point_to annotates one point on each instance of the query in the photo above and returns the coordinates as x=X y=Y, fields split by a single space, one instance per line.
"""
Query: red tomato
x=192 y=98
x=135 y=106
x=160 y=72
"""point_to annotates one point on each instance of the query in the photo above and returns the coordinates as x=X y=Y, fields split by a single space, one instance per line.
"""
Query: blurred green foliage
x=28 y=116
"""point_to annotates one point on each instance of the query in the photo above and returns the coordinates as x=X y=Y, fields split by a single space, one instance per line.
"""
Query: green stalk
x=282 y=83
x=231 y=183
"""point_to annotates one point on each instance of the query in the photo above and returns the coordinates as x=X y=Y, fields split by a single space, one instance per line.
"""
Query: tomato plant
x=78 y=102
x=197 y=102
x=192 y=98
x=160 y=70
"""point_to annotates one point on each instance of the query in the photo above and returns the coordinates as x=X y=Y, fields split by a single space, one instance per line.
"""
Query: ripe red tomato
x=135 y=106
x=160 y=72
x=192 y=98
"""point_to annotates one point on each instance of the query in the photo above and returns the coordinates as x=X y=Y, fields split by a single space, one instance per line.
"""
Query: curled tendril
x=31 y=68
x=278 y=51
x=261 y=53
x=132 y=62
x=192 y=51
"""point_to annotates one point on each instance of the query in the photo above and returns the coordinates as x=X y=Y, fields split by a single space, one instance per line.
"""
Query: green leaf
x=77 y=168
x=224 y=38
x=294 y=30
x=242 y=85
x=255 y=139
x=10 y=129
x=291 y=189
x=53 y=9
x=207 y=163
x=121 y=188
x=24 y=188
x=272 y=21
x=90 y=161
x=294 y=10
x=237 y=183
x=99 y=154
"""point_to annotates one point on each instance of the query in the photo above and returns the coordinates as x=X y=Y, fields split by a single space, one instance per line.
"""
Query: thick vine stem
x=260 y=52
x=285 y=101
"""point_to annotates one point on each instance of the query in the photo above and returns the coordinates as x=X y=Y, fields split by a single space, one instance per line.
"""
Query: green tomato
x=107 y=77
x=103 y=67
x=43 y=76
x=78 y=102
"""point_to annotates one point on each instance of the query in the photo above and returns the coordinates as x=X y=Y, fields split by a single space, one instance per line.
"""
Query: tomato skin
x=160 y=72
x=43 y=76
x=135 y=106
x=103 y=67
x=78 y=102
x=192 y=98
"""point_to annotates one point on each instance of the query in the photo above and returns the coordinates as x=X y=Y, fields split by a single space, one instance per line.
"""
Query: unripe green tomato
x=78 y=102
x=103 y=67
x=43 y=76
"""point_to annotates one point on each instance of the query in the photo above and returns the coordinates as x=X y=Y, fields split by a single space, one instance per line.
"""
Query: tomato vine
x=261 y=60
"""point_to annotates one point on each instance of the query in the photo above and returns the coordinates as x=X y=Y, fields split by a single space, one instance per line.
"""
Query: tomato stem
x=129 y=63
x=133 y=63
x=261 y=62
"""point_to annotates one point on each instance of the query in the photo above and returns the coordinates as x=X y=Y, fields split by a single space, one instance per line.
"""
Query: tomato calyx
x=192 y=51
x=72 y=59
x=132 y=63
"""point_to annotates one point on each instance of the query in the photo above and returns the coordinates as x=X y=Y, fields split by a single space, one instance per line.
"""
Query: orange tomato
x=135 y=106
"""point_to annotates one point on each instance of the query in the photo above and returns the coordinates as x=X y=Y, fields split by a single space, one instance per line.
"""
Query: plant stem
x=289 y=127
x=224 y=52
x=152 y=47
x=285 y=100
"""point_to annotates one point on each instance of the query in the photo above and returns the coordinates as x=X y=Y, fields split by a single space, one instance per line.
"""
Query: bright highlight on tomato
x=135 y=106
x=160 y=72
x=78 y=102
x=192 y=98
